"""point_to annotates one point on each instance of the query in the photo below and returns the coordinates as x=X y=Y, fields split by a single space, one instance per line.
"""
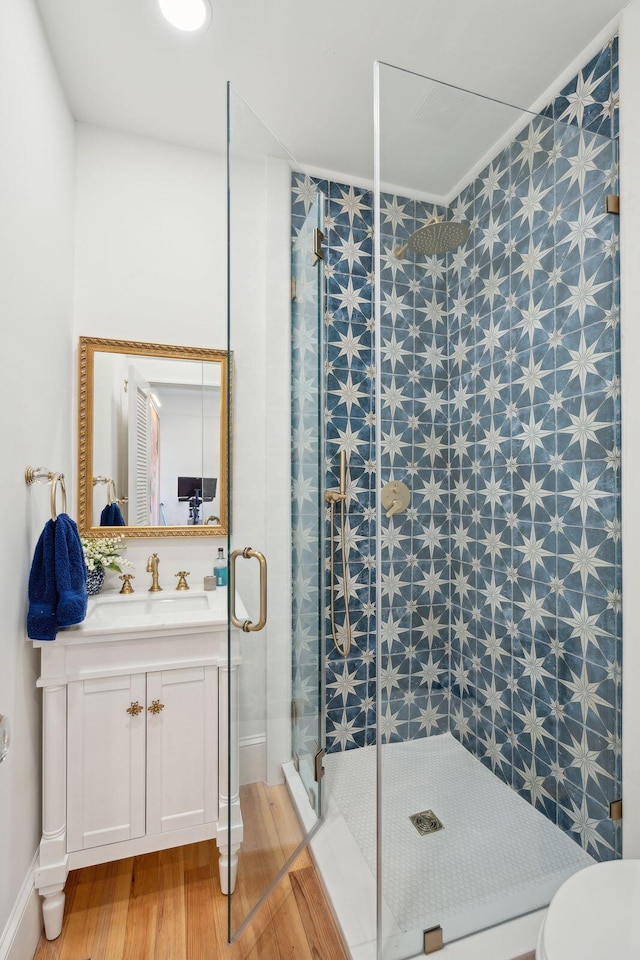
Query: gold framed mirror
x=152 y=439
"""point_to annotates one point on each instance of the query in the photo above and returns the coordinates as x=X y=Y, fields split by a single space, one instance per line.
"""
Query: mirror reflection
x=153 y=438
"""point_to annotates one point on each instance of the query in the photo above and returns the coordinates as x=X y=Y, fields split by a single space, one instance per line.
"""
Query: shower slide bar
x=343 y=646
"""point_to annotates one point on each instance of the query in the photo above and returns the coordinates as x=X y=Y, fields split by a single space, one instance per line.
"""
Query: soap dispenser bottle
x=220 y=569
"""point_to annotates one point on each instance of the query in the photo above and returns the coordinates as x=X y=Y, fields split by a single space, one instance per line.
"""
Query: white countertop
x=112 y=614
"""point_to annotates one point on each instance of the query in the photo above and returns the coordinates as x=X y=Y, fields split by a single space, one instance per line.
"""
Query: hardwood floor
x=168 y=905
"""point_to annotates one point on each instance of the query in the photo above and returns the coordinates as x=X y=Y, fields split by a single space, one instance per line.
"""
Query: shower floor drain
x=426 y=822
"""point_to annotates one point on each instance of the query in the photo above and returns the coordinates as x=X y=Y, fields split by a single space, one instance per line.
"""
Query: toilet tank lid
x=595 y=914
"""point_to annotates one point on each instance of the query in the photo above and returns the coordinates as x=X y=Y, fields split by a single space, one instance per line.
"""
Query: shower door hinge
x=318 y=237
x=615 y=810
x=294 y=288
x=433 y=940
x=318 y=769
x=294 y=711
x=612 y=203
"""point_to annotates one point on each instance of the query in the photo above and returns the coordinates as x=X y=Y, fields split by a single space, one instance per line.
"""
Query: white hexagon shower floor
x=496 y=858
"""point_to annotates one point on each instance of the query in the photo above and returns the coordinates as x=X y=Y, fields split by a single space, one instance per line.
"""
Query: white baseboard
x=253 y=759
x=20 y=936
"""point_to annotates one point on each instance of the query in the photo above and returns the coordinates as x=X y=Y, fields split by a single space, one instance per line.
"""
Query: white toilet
x=595 y=915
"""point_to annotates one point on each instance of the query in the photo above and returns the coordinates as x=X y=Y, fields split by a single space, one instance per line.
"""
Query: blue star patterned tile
x=587 y=627
x=428 y=716
x=350 y=206
x=587 y=698
x=349 y=251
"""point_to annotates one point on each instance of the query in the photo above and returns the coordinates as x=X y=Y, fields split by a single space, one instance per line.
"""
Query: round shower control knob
x=396 y=497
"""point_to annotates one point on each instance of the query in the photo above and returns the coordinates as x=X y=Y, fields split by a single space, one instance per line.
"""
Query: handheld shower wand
x=339 y=496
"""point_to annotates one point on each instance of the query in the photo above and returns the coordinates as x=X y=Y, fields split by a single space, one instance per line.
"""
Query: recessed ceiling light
x=187 y=15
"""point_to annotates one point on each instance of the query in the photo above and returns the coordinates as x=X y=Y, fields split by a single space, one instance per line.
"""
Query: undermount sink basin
x=114 y=613
x=112 y=608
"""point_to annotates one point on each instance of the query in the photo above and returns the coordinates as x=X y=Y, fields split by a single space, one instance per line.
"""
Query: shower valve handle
x=396 y=497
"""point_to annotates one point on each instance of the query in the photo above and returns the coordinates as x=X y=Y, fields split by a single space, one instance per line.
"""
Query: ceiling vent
x=443 y=107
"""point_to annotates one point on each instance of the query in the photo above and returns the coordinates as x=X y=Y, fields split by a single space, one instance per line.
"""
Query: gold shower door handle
x=247 y=625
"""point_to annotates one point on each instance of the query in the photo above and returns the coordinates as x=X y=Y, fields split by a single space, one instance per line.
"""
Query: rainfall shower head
x=437 y=236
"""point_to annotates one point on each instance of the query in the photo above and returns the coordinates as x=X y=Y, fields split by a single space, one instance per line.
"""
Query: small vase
x=95 y=581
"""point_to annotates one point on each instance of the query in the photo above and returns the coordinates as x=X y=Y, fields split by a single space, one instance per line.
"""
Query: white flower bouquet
x=104 y=552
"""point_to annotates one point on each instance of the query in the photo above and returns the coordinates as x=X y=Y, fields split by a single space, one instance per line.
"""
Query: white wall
x=36 y=268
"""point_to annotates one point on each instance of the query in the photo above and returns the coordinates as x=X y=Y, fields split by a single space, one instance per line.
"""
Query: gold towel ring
x=57 y=478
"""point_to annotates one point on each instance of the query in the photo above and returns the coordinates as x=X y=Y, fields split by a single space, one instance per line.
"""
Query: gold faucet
x=152 y=568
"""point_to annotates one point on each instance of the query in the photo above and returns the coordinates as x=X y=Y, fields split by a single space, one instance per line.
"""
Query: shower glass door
x=498 y=596
x=307 y=568
x=271 y=685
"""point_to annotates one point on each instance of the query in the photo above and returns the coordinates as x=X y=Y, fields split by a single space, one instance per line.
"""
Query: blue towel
x=58 y=580
x=111 y=516
x=71 y=573
x=41 y=617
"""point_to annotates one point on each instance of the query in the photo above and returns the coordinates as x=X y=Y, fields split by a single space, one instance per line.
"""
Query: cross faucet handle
x=126 y=582
x=182 y=582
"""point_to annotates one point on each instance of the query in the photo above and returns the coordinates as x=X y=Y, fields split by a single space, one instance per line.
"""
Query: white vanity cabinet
x=182 y=749
x=106 y=749
x=135 y=742
x=142 y=755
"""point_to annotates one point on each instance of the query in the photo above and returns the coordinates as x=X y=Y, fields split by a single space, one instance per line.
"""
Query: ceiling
x=307 y=70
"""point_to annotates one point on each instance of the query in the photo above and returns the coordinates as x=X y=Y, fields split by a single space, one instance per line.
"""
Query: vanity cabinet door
x=106 y=761
x=182 y=748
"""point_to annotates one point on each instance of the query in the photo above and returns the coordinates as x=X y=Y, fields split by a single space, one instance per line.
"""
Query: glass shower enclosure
x=498 y=588
x=275 y=684
x=456 y=339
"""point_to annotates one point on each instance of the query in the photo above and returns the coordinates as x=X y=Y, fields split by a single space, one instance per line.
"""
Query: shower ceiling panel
x=445 y=133
x=306 y=68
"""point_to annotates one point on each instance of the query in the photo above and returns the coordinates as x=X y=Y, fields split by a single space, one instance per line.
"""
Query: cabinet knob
x=135 y=708
x=156 y=707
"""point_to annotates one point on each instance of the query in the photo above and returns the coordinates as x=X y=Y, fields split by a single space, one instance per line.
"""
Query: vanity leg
x=228 y=858
x=53 y=867
x=53 y=911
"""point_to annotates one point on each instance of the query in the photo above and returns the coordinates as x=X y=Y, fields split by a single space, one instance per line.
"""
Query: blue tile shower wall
x=414 y=574
x=500 y=409
x=534 y=457
x=413 y=682
x=349 y=425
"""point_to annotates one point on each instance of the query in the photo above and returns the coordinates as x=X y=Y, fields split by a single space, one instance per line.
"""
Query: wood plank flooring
x=168 y=905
